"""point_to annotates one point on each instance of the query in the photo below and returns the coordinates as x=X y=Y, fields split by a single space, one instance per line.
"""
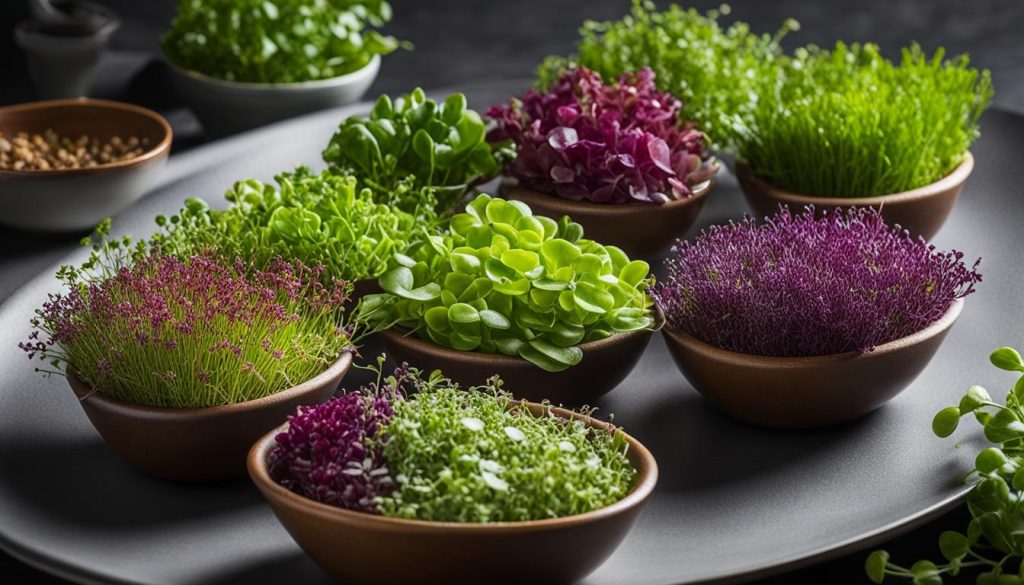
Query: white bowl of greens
x=239 y=64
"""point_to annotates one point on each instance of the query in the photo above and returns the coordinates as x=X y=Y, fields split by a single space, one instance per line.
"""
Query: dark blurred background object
x=478 y=41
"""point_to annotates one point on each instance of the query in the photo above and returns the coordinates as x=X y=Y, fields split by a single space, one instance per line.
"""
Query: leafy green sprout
x=277 y=41
x=438 y=147
x=477 y=455
x=994 y=539
x=502 y=280
x=318 y=218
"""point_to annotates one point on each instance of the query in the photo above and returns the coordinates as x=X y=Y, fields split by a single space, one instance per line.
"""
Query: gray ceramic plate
x=734 y=502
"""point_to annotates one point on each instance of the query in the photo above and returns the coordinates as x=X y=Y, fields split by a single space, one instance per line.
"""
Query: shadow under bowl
x=229 y=107
x=921 y=211
x=606 y=363
x=78 y=199
x=806 y=392
x=360 y=549
x=198 y=444
x=641 y=230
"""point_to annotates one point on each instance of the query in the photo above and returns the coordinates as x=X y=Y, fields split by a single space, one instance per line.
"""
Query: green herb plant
x=502 y=280
x=850 y=123
x=994 y=540
x=321 y=219
x=277 y=41
x=476 y=455
x=429 y=152
x=715 y=70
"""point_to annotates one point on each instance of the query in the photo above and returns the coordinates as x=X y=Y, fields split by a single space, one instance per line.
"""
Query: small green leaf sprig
x=994 y=540
x=277 y=41
x=502 y=280
x=477 y=455
x=437 y=147
x=319 y=218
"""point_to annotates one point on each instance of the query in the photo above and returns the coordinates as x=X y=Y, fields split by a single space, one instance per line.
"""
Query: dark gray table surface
x=492 y=41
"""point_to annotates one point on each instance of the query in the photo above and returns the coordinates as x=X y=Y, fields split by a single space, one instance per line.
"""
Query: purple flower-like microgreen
x=806 y=285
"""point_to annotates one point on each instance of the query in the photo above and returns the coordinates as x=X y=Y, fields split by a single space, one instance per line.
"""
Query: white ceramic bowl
x=229 y=107
x=78 y=199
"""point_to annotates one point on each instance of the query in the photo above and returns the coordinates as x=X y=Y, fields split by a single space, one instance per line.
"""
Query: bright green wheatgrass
x=850 y=123
x=477 y=456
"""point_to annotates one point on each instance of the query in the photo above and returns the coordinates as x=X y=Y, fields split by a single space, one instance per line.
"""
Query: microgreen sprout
x=807 y=285
x=502 y=280
x=993 y=544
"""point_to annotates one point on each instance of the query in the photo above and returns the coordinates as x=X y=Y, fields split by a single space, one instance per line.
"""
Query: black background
x=474 y=41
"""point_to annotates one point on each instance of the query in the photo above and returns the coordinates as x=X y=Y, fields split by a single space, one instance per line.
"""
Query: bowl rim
x=643 y=487
x=371 y=68
x=570 y=206
x=155 y=151
x=937 y=327
x=501 y=360
x=957 y=176
x=84 y=392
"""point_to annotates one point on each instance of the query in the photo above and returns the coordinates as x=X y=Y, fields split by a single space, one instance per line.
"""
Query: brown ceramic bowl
x=198 y=444
x=641 y=230
x=922 y=211
x=362 y=549
x=805 y=392
x=78 y=199
x=606 y=363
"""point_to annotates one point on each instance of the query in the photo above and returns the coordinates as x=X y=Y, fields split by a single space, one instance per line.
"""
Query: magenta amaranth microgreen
x=333 y=452
x=801 y=286
x=198 y=332
x=614 y=143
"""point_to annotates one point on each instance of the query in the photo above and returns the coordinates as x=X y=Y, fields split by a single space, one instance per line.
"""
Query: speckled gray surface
x=732 y=501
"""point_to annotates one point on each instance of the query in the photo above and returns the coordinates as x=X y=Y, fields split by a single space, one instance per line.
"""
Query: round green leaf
x=520 y=260
x=397 y=279
x=463 y=313
x=953 y=545
x=1007 y=358
x=989 y=460
x=946 y=421
x=635 y=272
x=494 y=319
x=875 y=565
x=501 y=211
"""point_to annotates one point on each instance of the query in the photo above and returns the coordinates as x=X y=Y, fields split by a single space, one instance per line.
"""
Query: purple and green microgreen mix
x=199 y=332
x=419 y=447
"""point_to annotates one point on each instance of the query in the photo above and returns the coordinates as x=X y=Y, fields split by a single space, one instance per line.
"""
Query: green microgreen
x=277 y=41
x=321 y=219
x=438 y=147
x=502 y=280
x=477 y=455
x=849 y=122
x=993 y=544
